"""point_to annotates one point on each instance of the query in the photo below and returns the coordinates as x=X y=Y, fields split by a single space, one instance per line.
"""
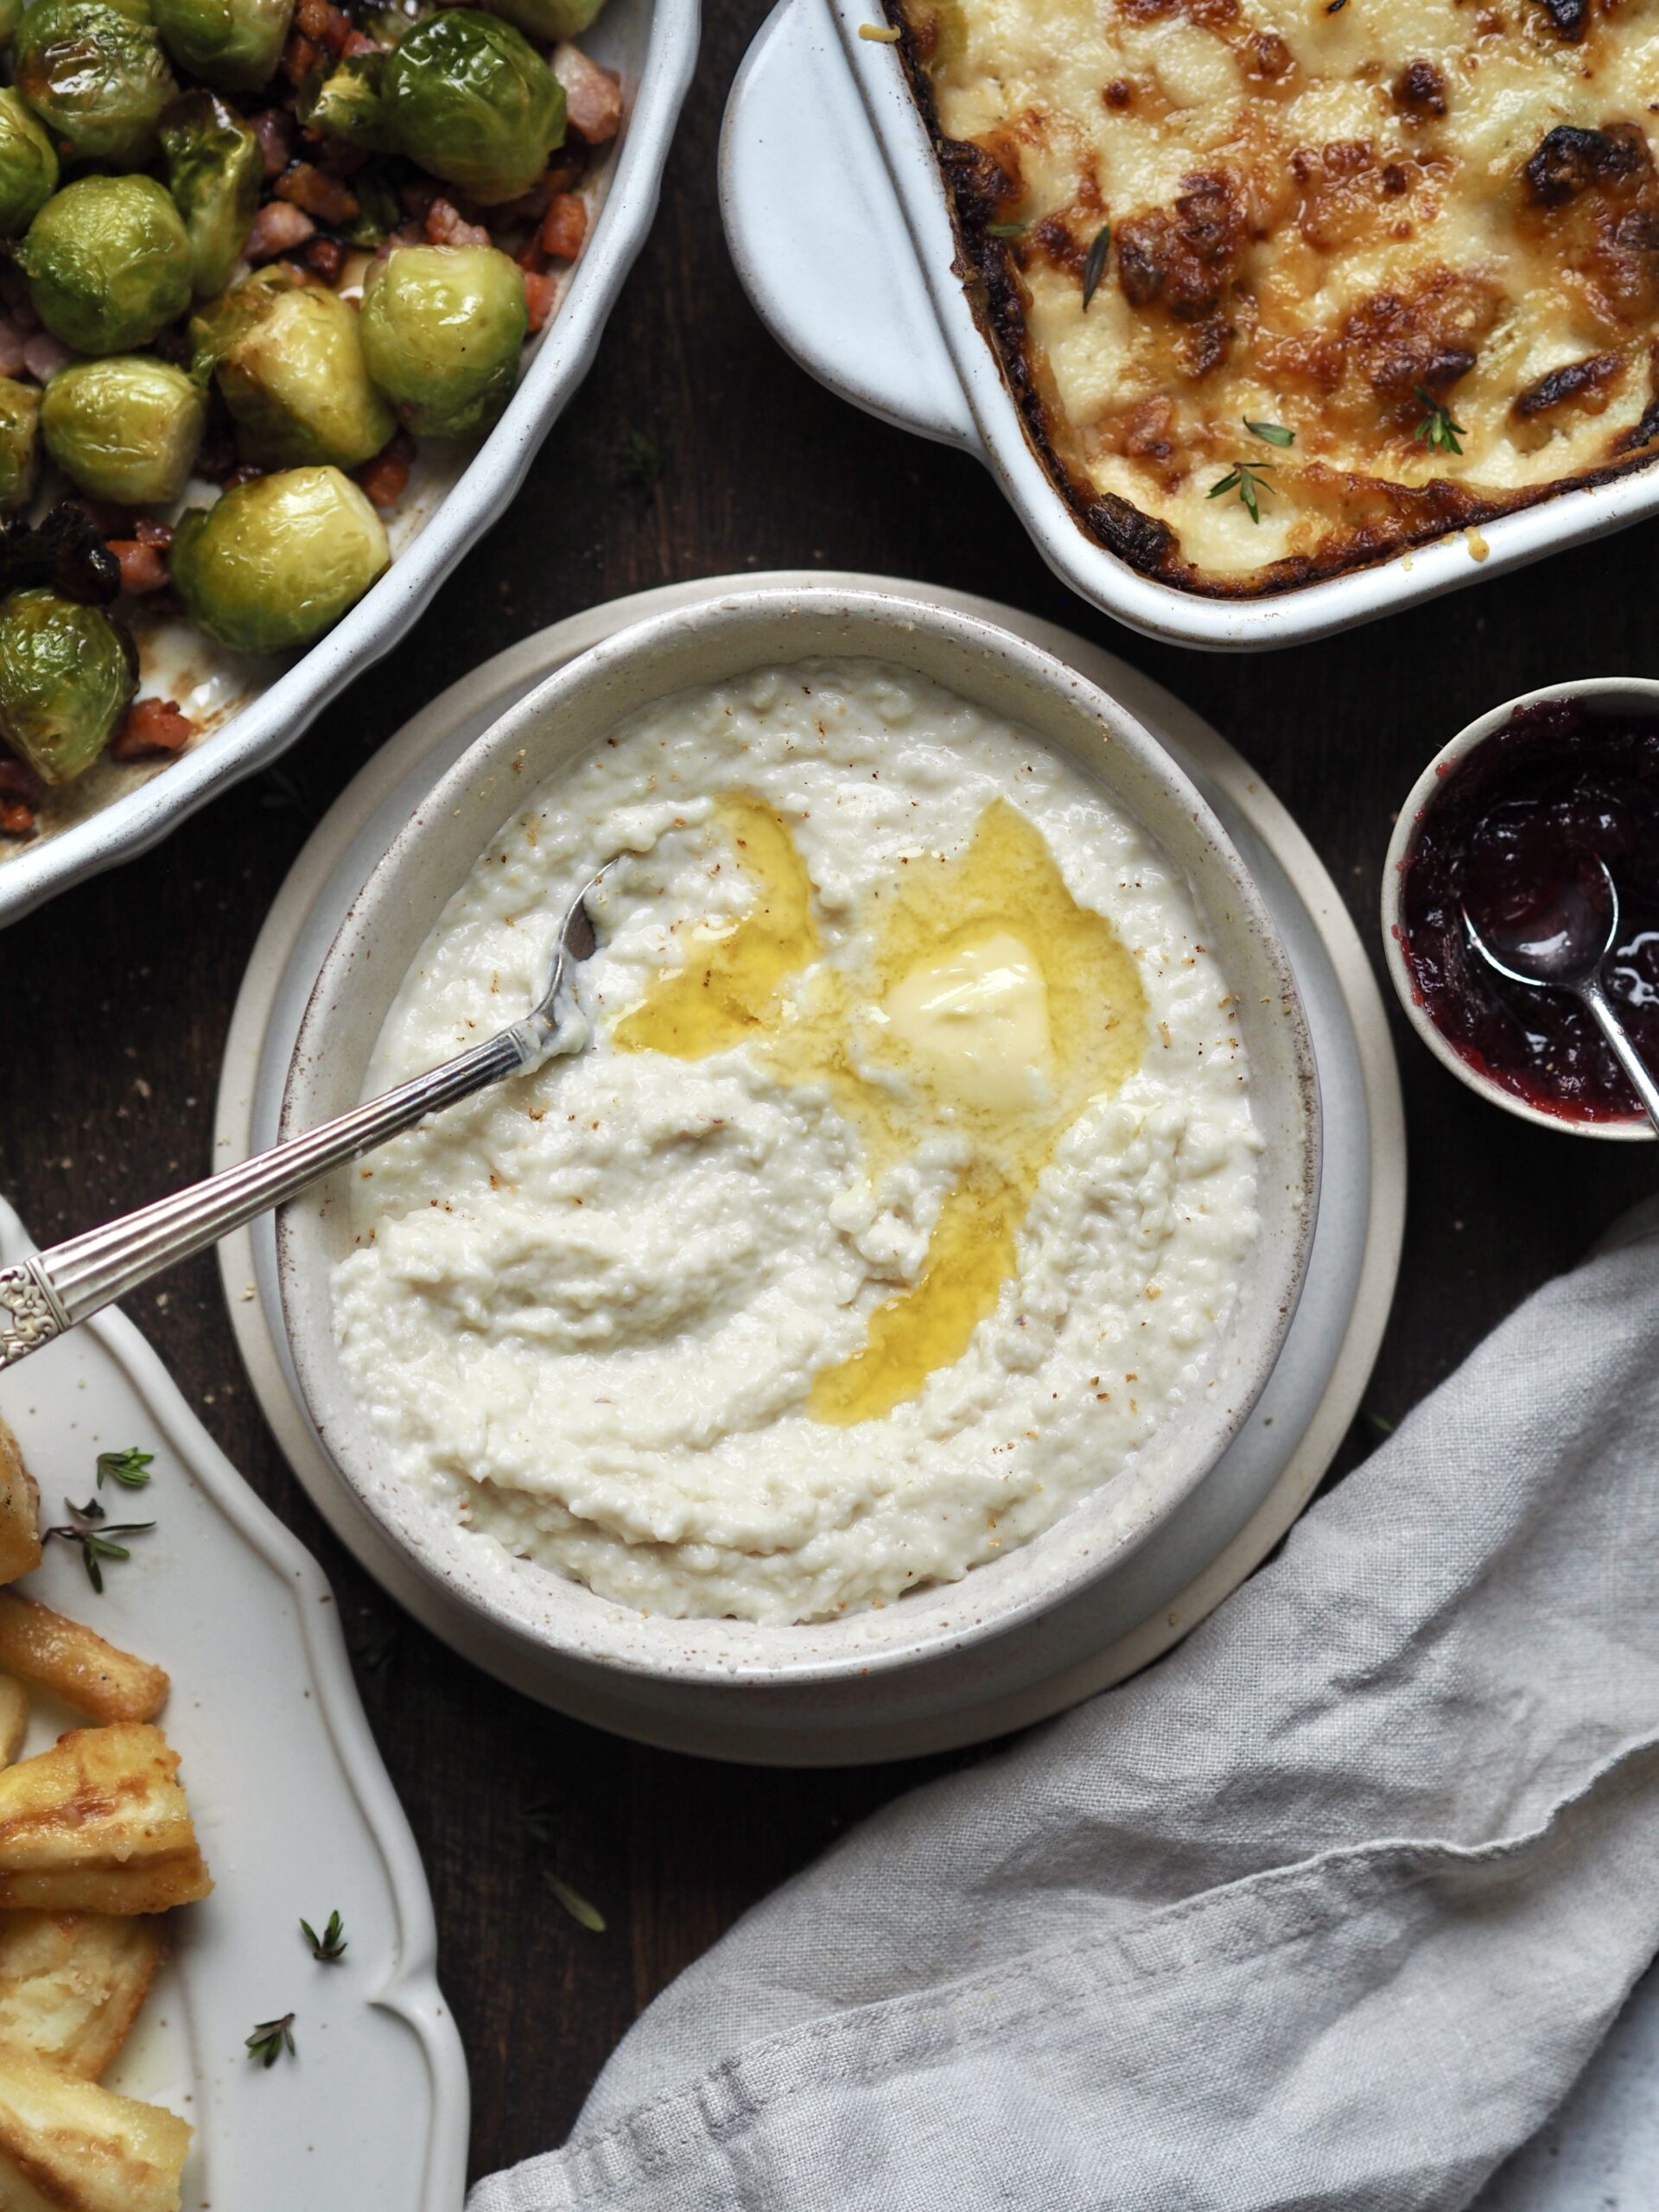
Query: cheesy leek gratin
x=1286 y=286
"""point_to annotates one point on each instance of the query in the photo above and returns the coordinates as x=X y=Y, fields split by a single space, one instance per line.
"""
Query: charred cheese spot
x=1315 y=220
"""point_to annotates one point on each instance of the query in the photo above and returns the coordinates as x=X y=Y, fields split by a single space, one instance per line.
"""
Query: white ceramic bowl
x=839 y=225
x=1603 y=696
x=432 y=856
x=653 y=44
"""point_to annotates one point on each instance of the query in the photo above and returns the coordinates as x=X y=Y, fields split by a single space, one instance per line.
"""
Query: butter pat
x=973 y=1019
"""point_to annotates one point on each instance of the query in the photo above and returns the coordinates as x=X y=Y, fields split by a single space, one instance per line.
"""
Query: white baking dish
x=120 y=812
x=838 y=223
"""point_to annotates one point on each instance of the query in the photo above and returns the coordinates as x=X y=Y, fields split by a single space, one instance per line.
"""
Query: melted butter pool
x=985 y=1003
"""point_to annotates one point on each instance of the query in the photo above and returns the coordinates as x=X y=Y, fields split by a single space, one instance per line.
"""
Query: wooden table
x=117 y=996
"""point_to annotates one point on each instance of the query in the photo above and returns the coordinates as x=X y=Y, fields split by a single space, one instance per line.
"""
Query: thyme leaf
x=1094 y=267
x=130 y=1468
x=271 y=2038
x=1274 y=434
x=638 y=460
x=1438 y=430
x=585 y=1914
x=329 y=1948
x=1005 y=229
x=90 y=1527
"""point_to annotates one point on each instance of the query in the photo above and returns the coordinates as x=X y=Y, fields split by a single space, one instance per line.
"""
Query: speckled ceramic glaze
x=434 y=854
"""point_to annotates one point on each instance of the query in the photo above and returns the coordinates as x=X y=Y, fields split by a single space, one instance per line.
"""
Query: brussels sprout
x=29 y=166
x=126 y=427
x=234 y=45
x=289 y=362
x=67 y=675
x=96 y=79
x=108 y=263
x=214 y=169
x=20 y=444
x=470 y=99
x=442 y=327
x=346 y=102
x=548 y=20
x=274 y=562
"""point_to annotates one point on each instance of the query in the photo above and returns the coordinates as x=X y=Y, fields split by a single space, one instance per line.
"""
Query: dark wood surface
x=116 y=1000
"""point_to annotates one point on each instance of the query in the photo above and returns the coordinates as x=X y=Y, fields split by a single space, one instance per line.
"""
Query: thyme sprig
x=1248 y=479
x=1094 y=266
x=329 y=1948
x=271 y=2038
x=130 y=1468
x=1438 y=430
x=91 y=1528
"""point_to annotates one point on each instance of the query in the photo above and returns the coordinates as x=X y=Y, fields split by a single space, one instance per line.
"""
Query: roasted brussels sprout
x=108 y=263
x=67 y=674
x=234 y=45
x=274 y=562
x=97 y=78
x=20 y=444
x=289 y=362
x=549 y=19
x=470 y=99
x=346 y=102
x=214 y=169
x=442 y=327
x=126 y=427
x=29 y=166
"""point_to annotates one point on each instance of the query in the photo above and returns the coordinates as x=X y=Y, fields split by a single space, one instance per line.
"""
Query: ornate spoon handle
x=55 y=1290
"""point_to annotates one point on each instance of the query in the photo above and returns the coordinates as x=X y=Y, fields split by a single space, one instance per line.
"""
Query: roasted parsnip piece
x=67 y=2146
x=13 y=1719
x=71 y=1984
x=74 y=1661
x=20 y=1511
x=99 y=1824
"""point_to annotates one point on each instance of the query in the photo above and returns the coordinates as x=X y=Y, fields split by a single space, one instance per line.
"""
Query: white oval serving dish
x=838 y=223
x=434 y=852
x=295 y=1810
x=120 y=812
x=1598 y=694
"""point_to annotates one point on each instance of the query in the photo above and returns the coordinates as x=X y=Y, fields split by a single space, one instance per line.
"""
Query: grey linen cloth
x=1327 y=1909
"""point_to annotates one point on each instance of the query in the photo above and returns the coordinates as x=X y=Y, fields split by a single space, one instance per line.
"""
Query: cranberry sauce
x=1528 y=810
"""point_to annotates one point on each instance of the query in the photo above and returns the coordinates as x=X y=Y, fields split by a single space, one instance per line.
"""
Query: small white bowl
x=700 y=1663
x=1600 y=696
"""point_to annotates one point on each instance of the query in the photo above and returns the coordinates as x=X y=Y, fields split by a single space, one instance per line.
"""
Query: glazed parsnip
x=20 y=1511
x=100 y=1824
x=76 y=1664
x=71 y=1984
x=67 y=2146
x=13 y=1719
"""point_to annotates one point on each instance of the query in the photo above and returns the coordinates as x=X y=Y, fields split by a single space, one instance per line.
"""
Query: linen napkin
x=1325 y=1910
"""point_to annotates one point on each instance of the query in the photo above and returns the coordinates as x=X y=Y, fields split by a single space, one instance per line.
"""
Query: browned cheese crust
x=1360 y=226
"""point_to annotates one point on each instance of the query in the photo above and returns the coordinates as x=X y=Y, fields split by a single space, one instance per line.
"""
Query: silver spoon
x=59 y=1289
x=1564 y=947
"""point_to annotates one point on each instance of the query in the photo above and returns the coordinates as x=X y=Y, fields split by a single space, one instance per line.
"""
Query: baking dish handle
x=818 y=235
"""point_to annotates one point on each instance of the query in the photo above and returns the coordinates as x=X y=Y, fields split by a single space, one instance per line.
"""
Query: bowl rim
x=521 y=1598
x=1630 y=691
x=136 y=821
